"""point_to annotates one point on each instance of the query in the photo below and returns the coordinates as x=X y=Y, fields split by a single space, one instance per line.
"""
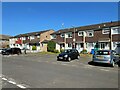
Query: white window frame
x=69 y=44
x=82 y=33
x=105 y=31
x=118 y=30
x=62 y=35
x=54 y=36
x=70 y=34
x=88 y=32
x=38 y=36
x=32 y=37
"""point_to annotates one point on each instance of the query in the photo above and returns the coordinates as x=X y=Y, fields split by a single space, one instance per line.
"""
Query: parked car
x=11 y=51
x=1 y=49
x=106 y=56
x=69 y=55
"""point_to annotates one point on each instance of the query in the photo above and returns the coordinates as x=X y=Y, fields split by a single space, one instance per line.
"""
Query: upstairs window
x=116 y=30
x=90 y=33
x=38 y=36
x=53 y=36
x=62 y=35
x=106 y=31
x=80 y=33
x=69 y=35
x=32 y=37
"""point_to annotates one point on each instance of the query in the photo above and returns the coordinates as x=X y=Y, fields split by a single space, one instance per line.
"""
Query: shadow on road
x=99 y=64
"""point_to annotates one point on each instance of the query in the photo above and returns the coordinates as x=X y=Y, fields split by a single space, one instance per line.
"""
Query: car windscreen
x=103 y=53
x=67 y=51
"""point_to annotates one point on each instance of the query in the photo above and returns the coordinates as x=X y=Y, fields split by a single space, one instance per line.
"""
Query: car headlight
x=66 y=56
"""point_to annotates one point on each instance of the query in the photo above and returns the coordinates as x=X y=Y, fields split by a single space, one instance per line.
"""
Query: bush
x=34 y=48
x=51 y=46
x=61 y=50
x=84 y=51
x=56 y=51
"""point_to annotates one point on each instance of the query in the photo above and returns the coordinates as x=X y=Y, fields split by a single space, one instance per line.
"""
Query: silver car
x=106 y=56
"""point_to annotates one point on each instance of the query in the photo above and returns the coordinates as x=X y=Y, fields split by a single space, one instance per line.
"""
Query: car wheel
x=118 y=63
x=18 y=52
x=69 y=59
x=57 y=59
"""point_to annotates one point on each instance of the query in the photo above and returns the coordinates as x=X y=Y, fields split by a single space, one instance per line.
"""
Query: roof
x=4 y=37
x=88 y=27
x=31 y=33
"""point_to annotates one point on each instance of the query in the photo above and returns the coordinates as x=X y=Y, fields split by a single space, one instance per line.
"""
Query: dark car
x=11 y=51
x=69 y=55
x=106 y=56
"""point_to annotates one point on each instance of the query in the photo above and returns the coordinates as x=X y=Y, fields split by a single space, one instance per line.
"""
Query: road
x=43 y=71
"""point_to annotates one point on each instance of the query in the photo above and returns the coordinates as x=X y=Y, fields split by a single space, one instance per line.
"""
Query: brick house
x=102 y=36
x=28 y=40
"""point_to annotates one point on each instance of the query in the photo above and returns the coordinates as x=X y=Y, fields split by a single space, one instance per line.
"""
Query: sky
x=24 y=17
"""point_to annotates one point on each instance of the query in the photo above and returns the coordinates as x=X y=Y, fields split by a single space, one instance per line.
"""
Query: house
x=4 y=41
x=28 y=40
x=100 y=36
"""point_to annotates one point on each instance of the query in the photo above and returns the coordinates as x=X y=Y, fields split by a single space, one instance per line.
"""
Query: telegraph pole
x=74 y=37
x=110 y=36
x=64 y=36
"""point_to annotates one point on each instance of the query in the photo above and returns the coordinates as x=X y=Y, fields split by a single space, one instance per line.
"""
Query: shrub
x=51 y=46
x=84 y=51
x=34 y=48
x=56 y=51
x=61 y=50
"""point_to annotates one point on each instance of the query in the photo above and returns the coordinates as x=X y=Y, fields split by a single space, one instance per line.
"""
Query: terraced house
x=101 y=36
x=28 y=40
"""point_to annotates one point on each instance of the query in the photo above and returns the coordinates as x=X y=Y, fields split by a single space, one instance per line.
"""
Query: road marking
x=104 y=70
x=4 y=79
x=21 y=86
x=14 y=83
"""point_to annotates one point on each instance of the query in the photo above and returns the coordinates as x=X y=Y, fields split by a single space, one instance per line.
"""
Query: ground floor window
x=69 y=45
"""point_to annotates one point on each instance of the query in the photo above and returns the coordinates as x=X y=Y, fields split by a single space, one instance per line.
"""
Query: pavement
x=44 y=71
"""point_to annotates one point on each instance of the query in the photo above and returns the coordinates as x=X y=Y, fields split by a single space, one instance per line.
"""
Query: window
x=23 y=38
x=106 y=31
x=69 y=35
x=53 y=36
x=62 y=35
x=90 y=33
x=80 y=33
x=116 y=30
x=90 y=44
x=32 y=37
x=69 y=45
x=38 y=36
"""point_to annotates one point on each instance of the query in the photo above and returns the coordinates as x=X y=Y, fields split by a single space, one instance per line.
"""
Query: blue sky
x=23 y=17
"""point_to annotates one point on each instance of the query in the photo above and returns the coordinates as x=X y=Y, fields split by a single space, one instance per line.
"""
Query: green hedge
x=84 y=51
x=34 y=48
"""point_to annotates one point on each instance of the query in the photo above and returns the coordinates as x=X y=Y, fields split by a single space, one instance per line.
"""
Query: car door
x=73 y=54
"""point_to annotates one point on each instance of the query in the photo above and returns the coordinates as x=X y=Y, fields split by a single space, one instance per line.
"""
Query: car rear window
x=103 y=53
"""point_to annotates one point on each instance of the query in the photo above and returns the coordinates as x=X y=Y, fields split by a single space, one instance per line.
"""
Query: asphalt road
x=43 y=71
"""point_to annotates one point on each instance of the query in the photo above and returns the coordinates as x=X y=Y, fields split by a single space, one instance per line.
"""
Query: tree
x=51 y=46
